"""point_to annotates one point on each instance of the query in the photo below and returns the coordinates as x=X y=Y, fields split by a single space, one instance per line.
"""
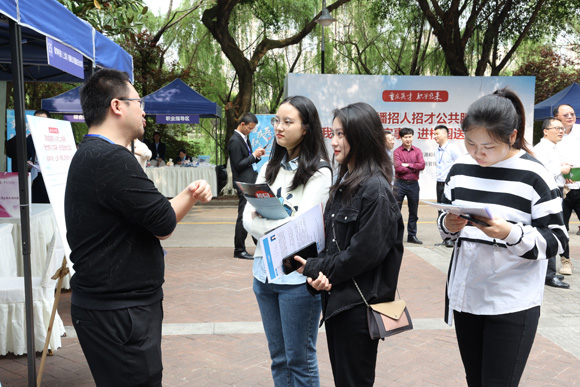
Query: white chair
x=13 y=311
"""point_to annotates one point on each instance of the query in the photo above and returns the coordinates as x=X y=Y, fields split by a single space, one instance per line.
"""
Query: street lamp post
x=324 y=20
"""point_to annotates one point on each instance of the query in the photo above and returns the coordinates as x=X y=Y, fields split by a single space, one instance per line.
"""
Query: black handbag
x=387 y=318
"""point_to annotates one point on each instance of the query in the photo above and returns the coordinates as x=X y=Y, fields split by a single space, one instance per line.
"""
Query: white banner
x=416 y=102
x=55 y=148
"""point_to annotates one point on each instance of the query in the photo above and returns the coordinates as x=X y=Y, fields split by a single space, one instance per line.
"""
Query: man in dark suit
x=38 y=192
x=157 y=150
x=242 y=161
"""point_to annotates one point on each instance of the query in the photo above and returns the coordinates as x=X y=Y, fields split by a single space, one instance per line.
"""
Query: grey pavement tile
x=213 y=335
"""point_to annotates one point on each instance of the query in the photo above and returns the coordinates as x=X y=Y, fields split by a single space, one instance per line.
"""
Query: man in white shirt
x=568 y=148
x=390 y=141
x=445 y=156
x=545 y=151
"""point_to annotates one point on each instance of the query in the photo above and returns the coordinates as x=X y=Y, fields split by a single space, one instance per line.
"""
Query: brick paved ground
x=213 y=335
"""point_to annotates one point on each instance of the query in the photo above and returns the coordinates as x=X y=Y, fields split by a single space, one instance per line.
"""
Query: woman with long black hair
x=364 y=243
x=299 y=174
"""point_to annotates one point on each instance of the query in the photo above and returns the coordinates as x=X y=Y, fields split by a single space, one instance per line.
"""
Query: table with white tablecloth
x=7 y=252
x=12 y=299
x=170 y=181
x=42 y=228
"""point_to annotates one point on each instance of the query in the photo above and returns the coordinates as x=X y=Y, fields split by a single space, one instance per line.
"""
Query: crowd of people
x=116 y=218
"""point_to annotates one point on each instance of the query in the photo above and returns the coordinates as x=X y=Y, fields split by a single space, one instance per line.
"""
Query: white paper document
x=290 y=238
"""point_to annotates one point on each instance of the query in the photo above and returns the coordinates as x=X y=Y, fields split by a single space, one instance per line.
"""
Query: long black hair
x=312 y=148
x=499 y=113
x=365 y=135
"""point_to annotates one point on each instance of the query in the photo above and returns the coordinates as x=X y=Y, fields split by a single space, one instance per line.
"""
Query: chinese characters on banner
x=55 y=148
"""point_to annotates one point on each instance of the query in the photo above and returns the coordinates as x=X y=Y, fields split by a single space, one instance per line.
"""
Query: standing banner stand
x=55 y=148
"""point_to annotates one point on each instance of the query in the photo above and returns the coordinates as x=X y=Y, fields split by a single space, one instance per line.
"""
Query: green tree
x=491 y=30
x=387 y=38
x=275 y=25
x=553 y=71
x=111 y=17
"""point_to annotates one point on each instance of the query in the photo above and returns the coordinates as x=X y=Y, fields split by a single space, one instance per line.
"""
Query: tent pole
x=19 y=112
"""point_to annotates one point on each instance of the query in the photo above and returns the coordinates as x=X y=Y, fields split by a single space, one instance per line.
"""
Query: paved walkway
x=213 y=334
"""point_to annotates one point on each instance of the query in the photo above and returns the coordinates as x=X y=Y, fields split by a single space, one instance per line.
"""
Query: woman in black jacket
x=364 y=242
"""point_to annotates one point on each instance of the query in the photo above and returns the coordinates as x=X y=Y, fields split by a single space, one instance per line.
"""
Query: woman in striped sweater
x=496 y=276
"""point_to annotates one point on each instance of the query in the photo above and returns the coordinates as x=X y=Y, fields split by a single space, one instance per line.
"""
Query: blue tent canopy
x=174 y=98
x=569 y=96
x=68 y=102
x=49 y=18
x=178 y=98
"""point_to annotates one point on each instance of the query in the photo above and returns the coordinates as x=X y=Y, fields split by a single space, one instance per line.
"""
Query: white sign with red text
x=416 y=102
x=10 y=194
x=55 y=148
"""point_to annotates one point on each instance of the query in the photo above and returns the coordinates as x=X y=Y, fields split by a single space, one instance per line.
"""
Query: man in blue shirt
x=445 y=156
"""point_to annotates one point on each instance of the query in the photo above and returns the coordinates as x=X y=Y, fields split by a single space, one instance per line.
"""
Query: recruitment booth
x=569 y=96
x=175 y=103
x=40 y=41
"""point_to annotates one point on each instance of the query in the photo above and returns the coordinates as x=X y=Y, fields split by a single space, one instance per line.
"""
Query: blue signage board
x=64 y=58
x=74 y=117
x=176 y=118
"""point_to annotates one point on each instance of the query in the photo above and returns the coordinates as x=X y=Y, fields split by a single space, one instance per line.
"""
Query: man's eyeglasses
x=140 y=100
x=559 y=128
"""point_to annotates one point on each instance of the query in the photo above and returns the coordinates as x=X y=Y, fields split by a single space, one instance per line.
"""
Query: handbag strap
x=363 y=297
x=359 y=292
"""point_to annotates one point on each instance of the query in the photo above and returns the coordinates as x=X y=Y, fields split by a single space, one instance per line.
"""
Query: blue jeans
x=290 y=315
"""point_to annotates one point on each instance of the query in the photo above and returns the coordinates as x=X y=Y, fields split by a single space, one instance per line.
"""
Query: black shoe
x=556 y=283
x=243 y=255
x=559 y=276
x=413 y=239
x=448 y=243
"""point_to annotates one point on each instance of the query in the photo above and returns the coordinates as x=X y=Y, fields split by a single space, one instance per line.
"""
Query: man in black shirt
x=115 y=218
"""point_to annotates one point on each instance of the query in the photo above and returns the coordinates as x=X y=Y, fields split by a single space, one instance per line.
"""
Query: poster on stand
x=55 y=148
x=263 y=137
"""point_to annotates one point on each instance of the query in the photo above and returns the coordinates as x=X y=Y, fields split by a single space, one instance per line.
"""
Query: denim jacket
x=364 y=241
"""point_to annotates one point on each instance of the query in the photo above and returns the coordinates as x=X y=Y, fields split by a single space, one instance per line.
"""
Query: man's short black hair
x=406 y=131
x=548 y=121
x=557 y=108
x=98 y=92
x=42 y=111
x=248 y=118
x=442 y=127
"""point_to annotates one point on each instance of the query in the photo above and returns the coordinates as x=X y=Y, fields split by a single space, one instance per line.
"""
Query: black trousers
x=123 y=346
x=353 y=355
x=440 y=191
x=570 y=203
x=240 y=233
x=410 y=189
x=551 y=270
x=494 y=349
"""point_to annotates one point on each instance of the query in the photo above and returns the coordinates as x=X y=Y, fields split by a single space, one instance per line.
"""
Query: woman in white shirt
x=299 y=174
x=496 y=276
